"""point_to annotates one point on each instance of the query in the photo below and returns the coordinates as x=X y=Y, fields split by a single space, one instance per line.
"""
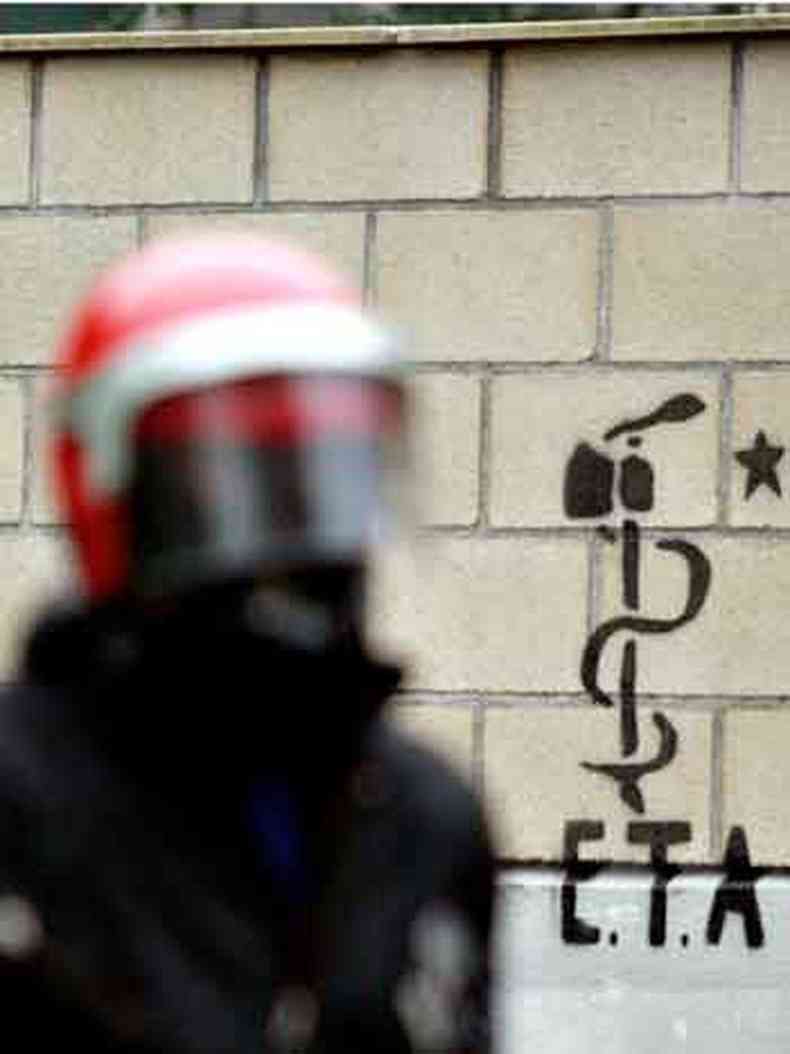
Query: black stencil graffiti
x=588 y=492
x=589 y=479
x=628 y=774
x=760 y=461
x=659 y=836
x=736 y=894
x=574 y=929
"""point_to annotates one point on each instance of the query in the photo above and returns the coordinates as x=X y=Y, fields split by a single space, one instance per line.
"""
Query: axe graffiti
x=589 y=488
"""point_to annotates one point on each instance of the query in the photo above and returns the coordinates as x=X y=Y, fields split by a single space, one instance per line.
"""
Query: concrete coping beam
x=394 y=36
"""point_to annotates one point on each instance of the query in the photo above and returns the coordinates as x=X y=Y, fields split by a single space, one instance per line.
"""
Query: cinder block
x=402 y=123
x=14 y=131
x=757 y=781
x=471 y=614
x=35 y=568
x=548 y=438
x=615 y=118
x=702 y=281
x=338 y=237
x=43 y=507
x=447 y=730
x=46 y=262
x=11 y=446
x=152 y=128
x=738 y=642
x=765 y=125
x=491 y=285
x=535 y=782
x=759 y=474
x=447 y=417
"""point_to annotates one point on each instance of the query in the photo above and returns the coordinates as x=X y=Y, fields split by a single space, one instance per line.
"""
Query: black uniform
x=227 y=849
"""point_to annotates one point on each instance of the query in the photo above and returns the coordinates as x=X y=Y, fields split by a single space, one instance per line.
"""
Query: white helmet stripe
x=214 y=348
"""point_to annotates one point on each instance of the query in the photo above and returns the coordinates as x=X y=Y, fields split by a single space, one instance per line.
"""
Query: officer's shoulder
x=17 y=702
x=24 y=781
x=26 y=729
x=423 y=783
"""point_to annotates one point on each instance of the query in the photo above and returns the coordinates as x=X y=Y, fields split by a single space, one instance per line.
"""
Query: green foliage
x=68 y=18
x=77 y=18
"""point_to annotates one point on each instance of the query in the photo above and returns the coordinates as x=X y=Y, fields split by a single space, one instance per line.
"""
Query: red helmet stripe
x=276 y=411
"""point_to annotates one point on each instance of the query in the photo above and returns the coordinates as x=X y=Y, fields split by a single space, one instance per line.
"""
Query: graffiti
x=590 y=476
x=597 y=485
x=589 y=492
x=760 y=461
x=736 y=894
x=574 y=929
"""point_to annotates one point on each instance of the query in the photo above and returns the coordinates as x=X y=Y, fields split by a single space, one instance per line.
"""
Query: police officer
x=210 y=840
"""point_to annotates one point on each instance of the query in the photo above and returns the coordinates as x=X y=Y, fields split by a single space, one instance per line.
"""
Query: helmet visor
x=261 y=475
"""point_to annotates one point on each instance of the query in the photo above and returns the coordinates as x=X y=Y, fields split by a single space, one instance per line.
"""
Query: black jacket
x=227 y=850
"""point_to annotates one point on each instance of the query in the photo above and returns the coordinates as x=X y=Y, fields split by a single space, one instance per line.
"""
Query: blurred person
x=211 y=841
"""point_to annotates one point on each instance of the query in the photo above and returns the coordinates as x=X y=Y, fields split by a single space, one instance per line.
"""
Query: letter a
x=737 y=893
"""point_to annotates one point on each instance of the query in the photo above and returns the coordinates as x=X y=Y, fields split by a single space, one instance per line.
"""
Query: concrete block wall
x=588 y=242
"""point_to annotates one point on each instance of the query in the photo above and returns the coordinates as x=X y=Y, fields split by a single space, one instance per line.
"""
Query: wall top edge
x=393 y=36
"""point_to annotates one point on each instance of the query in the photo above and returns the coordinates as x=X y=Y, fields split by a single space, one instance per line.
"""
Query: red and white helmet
x=224 y=404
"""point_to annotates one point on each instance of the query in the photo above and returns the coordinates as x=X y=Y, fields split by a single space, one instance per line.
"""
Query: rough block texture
x=395 y=124
x=15 y=123
x=338 y=237
x=46 y=263
x=738 y=644
x=701 y=281
x=42 y=503
x=760 y=402
x=489 y=285
x=615 y=118
x=641 y=274
x=539 y=421
x=765 y=135
x=535 y=783
x=35 y=568
x=447 y=414
x=488 y=615
x=152 y=129
x=757 y=780
x=11 y=447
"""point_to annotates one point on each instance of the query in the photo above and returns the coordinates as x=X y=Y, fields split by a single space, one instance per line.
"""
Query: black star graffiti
x=760 y=461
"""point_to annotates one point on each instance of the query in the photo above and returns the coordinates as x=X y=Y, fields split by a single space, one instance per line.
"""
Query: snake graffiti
x=590 y=482
x=596 y=486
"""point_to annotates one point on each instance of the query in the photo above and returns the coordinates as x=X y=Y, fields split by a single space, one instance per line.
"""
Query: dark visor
x=262 y=474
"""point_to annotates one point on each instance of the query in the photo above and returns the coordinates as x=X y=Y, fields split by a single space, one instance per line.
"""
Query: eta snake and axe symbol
x=588 y=492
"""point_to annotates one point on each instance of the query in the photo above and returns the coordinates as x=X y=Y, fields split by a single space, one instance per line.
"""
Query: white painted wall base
x=628 y=997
